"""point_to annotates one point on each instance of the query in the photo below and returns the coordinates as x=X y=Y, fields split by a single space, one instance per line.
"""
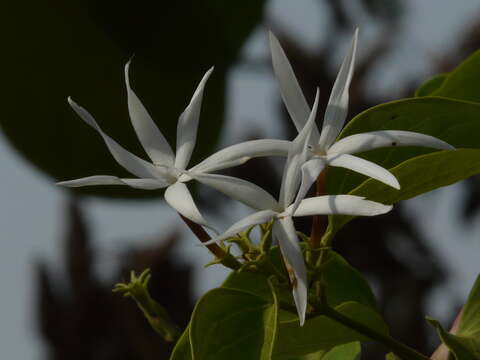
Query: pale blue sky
x=31 y=206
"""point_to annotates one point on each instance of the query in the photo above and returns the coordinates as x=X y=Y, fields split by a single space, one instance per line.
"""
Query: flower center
x=169 y=173
x=316 y=150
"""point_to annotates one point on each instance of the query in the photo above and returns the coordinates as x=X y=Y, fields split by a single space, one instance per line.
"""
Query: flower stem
x=319 y=224
x=225 y=258
x=401 y=350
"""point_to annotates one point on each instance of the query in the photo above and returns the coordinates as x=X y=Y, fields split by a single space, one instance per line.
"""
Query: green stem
x=401 y=350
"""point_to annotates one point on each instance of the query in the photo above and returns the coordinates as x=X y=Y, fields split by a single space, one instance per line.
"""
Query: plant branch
x=319 y=223
x=401 y=350
x=223 y=256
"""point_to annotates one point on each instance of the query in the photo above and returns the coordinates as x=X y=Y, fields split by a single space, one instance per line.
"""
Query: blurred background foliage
x=79 y=48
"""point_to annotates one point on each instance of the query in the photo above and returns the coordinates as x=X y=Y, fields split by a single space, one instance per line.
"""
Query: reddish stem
x=319 y=223
x=226 y=258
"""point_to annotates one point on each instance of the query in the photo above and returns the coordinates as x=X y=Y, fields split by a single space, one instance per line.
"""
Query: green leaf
x=182 y=349
x=470 y=320
x=418 y=170
x=345 y=289
x=392 y=356
x=252 y=283
x=318 y=355
x=461 y=347
x=416 y=176
x=351 y=351
x=456 y=122
x=463 y=82
x=344 y=282
x=321 y=333
x=465 y=344
x=232 y=324
x=429 y=86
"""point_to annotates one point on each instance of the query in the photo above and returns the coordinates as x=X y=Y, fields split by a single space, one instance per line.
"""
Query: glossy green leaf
x=78 y=48
x=232 y=324
x=456 y=122
x=463 y=82
x=182 y=349
x=431 y=85
x=417 y=176
x=322 y=333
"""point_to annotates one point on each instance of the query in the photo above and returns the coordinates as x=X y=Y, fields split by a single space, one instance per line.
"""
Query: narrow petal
x=364 y=167
x=259 y=217
x=129 y=161
x=340 y=204
x=284 y=232
x=238 y=154
x=152 y=140
x=145 y=184
x=310 y=171
x=337 y=107
x=290 y=90
x=296 y=158
x=386 y=138
x=188 y=125
x=179 y=198
x=238 y=189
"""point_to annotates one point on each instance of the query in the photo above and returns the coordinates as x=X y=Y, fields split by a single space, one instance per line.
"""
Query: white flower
x=287 y=206
x=324 y=150
x=168 y=169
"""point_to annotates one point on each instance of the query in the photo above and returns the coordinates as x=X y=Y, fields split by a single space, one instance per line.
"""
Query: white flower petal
x=240 y=153
x=290 y=90
x=145 y=184
x=259 y=217
x=310 y=171
x=296 y=158
x=151 y=138
x=364 y=167
x=129 y=161
x=284 y=231
x=178 y=197
x=337 y=107
x=188 y=125
x=238 y=189
x=340 y=204
x=386 y=138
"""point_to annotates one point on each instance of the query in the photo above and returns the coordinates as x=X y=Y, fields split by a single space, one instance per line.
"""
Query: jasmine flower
x=323 y=150
x=166 y=169
x=282 y=211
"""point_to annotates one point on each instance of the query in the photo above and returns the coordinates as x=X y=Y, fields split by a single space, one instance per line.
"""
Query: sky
x=32 y=208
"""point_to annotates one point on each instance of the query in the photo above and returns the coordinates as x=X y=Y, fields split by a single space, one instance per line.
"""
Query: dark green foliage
x=78 y=48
